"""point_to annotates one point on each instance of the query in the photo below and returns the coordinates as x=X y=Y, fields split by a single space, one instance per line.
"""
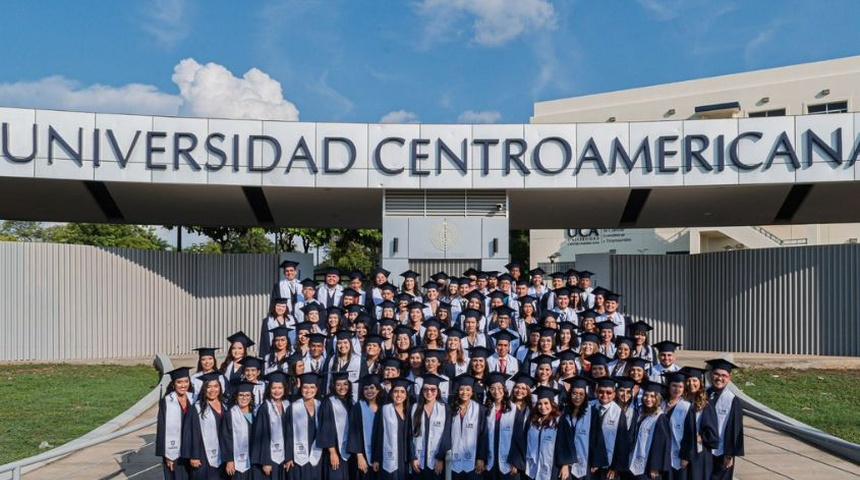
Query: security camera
x=500 y=206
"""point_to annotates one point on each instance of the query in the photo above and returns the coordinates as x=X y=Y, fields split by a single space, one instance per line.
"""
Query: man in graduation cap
x=586 y=285
x=309 y=296
x=502 y=361
x=730 y=424
x=330 y=291
x=289 y=287
x=666 y=361
x=515 y=269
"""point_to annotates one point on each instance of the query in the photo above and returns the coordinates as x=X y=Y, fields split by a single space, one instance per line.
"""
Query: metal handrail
x=680 y=233
x=782 y=242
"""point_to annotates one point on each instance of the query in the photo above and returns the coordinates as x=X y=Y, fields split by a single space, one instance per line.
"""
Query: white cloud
x=496 y=22
x=213 y=91
x=60 y=93
x=166 y=21
x=399 y=116
x=486 y=116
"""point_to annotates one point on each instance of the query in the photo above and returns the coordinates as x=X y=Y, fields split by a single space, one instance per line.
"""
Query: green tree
x=18 y=231
x=234 y=240
x=520 y=246
x=354 y=249
x=106 y=235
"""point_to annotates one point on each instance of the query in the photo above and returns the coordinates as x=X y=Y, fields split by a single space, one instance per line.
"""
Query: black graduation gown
x=564 y=451
x=688 y=442
x=596 y=446
x=702 y=463
x=733 y=436
x=229 y=455
x=404 y=445
x=482 y=447
x=357 y=442
x=261 y=439
x=192 y=444
x=307 y=471
x=621 y=450
x=327 y=438
x=180 y=465
x=660 y=454
x=442 y=450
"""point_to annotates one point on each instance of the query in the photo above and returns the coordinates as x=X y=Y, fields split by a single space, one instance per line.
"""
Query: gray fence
x=60 y=302
x=798 y=300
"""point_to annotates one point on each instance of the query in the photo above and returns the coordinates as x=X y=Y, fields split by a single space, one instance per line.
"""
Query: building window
x=777 y=112
x=832 y=107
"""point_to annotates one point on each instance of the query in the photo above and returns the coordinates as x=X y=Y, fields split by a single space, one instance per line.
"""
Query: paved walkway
x=769 y=453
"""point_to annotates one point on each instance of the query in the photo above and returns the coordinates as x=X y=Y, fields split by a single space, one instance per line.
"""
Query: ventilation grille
x=446 y=203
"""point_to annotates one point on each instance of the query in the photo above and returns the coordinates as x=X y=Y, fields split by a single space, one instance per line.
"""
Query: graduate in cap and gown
x=303 y=453
x=334 y=428
x=289 y=288
x=391 y=446
x=665 y=361
x=503 y=422
x=172 y=409
x=252 y=371
x=346 y=361
x=201 y=436
x=707 y=435
x=231 y=367
x=431 y=433
x=279 y=353
x=682 y=424
x=361 y=420
x=268 y=442
x=613 y=425
x=236 y=433
x=730 y=424
x=650 y=450
x=206 y=363
x=543 y=451
x=468 y=432
x=279 y=316
x=584 y=431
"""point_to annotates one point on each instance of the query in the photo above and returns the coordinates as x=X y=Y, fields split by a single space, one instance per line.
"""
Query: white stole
x=609 y=422
x=432 y=428
x=209 y=432
x=723 y=408
x=276 y=434
x=301 y=419
x=676 y=421
x=341 y=423
x=464 y=439
x=367 y=418
x=644 y=438
x=506 y=434
x=540 y=452
x=172 y=425
x=241 y=439
x=390 y=454
x=581 y=436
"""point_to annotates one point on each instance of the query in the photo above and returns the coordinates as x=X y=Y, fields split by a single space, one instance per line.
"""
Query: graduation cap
x=721 y=364
x=205 y=351
x=585 y=274
x=433 y=322
x=666 y=346
x=567 y=326
x=415 y=306
x=639 y=326
x=392 y=362
x=280 y=331
x=388 y=287
x=544 y=359
x=410 y=274
x=506 y=277
x=252 y=362
x=404 y=297
x=464 y=281
x=465 y=380
x=344 y=334
x=301 y=327
x=454 y=332
x=472 y=313
x=526 y=299
x=280 y=300
x=571 y=273
x=277 y=376
x=504 y=311
x=578 y=382
x=504 y=335
x=181 y=372
x=589 y=337
x=388 y=322
x=209 y=377
x=475 y=295
x=600 y=291
x=566 y=355
x=612 y=296
x=574 y=290
x=549 y=314
x=288 y=263
x=546 y=392
x=649 y=386
x=607 y=382
x=245 y=387
x=401 y=382
x=492 y=273
x=376 y=271
x=435 y=353
x=479 y=352
x=430 y=286
x=497 y=294
x=241 y=338
x=495 y=377
x=624 y=340
x=589 y=314
x=370 y=379
x=606 y=325
x=693 y=372
x=310 y=378
x=432 y=379
x=637 y=362
x=483 y=275
x=623 y=382
x=335 y=376
x=557 y=275
x=312 y=307
x=356 y=308
x=514 y=264
x=599 y=359
x=403 y=330
x=537 y=271
x=387 y=304
x=334 y=311
x=674 y=377
x=317 y=338
x=534 y=328
x=444 y=306
x=439 y=276
x=417 y=349
x=547 y=332
x=351 y=292
x=562 y=292
x=332 y=271
x=469 y=272
x=309 y=283
x=355 y=275
x=522 y=281
x=523 y=378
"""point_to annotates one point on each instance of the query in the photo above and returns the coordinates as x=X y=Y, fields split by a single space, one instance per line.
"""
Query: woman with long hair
x=302 y=452
x=456 y=362
x=641 y=348
x=431 y=433
x=650 y=450
x=585 y=431
x=521 y=395
x=237 y=429
x=618 y=367
x=172 y=409
x=443 y=314
x=432 y=338
x=392 y=435
x=565 y=338
x=279 y=316
x=468 y=432
x=410 y=284
x=372 y=357
x=707 y=432
x=279 y=352
x=682 y=424
x=361 y=420
x=206 y=364
x=201 y=440
x=503 y=423
x=543 y=451
x=346 y=361
x=268 y=443
x=231 y=367
x=334 y=428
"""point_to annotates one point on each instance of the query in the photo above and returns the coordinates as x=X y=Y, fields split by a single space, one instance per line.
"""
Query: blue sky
x=433 y=61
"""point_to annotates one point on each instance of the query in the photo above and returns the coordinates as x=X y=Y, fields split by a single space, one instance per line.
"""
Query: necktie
x=503 y=363
x=330 y=302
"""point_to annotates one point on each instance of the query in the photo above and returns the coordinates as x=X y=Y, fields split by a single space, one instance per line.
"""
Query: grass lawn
x=828 y=400
x=56 y=403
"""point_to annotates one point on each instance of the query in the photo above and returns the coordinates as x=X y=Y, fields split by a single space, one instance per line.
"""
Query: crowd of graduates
x=495 y=376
